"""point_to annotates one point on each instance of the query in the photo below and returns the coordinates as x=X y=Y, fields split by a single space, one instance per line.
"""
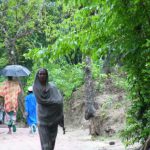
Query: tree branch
x=23 y=34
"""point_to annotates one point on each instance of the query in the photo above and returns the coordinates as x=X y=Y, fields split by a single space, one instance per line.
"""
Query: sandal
x=14 y=128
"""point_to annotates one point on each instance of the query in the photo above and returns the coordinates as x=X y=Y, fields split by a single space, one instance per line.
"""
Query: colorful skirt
x=10 y=118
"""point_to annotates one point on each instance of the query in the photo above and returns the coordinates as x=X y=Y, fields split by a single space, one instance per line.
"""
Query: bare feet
x=9 y=132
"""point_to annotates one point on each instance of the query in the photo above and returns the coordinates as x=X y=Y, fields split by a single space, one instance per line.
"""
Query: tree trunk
x=95 y=126
x=146 y=145
x=89 y=91
x=21 y=100
x=90 y=104
x=10 y=45
x=107 y=68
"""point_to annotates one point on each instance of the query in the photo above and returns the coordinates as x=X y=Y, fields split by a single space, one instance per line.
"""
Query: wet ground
x=74 y=139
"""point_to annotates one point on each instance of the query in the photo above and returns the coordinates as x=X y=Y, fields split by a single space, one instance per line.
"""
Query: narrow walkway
x=72 y=140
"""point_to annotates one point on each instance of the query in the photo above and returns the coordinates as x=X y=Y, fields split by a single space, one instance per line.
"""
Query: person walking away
x=49 y=109
x=30 y=110
x=10 y=90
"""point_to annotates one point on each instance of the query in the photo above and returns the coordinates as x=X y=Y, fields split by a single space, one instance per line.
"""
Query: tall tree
x=18 y=19
x=124 y=28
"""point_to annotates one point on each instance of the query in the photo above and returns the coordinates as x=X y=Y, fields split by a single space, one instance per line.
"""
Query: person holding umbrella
x=10 y=90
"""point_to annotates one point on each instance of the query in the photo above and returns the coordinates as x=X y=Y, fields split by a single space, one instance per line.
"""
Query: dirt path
x=72 y=140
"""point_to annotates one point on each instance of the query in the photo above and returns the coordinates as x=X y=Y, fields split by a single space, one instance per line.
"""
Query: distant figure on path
x=30 y=110
x=49 y=110
x=10 y=90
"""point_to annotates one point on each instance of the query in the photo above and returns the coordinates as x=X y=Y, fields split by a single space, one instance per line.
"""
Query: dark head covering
x=50 y=102
x=48 y=95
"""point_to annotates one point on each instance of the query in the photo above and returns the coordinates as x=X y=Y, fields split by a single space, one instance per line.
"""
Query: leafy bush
x=120 y=79
x=68 y=78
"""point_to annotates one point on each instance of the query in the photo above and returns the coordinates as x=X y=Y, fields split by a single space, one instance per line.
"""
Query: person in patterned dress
x=10 y=90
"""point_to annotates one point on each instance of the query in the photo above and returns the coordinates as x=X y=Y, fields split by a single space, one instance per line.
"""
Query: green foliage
x=121 y=27
x=69 y=30
x=17 y=22
x=67 y=77
x=135 y=51
x=2 y=79
x=96 y=69
x=3 y=62
x=119 y=80
x=19 y=116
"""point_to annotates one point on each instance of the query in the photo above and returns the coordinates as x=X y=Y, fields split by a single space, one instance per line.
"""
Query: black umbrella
x=15 y=71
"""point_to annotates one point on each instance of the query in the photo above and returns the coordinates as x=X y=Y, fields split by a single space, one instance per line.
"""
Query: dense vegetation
x=59 y=35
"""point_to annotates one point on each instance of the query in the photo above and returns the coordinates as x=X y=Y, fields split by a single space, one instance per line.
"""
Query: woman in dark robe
x=49 y=109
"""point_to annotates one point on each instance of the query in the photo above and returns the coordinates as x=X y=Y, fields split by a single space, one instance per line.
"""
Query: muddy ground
x=74 y=139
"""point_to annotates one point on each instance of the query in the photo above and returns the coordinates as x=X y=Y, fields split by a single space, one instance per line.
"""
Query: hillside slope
x=110 y=116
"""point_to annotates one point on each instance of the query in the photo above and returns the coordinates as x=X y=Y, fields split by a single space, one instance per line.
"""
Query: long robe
x=49 y=111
